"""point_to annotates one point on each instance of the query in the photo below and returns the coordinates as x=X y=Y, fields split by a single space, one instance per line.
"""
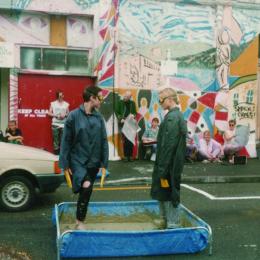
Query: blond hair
x=206 y=132
x=169 y=92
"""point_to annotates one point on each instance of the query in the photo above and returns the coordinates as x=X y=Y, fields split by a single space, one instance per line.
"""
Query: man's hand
x=131 y=116
x=164 y=183
x=103 y=176
x=68 y=175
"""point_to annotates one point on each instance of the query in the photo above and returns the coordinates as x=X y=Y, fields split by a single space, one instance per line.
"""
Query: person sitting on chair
x=149 y=138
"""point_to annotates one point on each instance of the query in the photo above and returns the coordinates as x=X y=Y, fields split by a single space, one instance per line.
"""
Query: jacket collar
x=174 y=109
x=94 y=112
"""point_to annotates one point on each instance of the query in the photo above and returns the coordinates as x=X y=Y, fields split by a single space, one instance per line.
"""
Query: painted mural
x=206 y=47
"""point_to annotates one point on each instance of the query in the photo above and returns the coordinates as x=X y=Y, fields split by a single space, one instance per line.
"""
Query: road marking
x=204 y=193
x=128 y=180
x=124 y=188
x=212 y=197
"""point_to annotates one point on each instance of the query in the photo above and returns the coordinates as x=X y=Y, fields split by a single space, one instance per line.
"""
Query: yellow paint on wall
x=117 y=143
x=58 y=31
x=184 y=102
x=219 y=107
x=200 y=107
x=246 y=63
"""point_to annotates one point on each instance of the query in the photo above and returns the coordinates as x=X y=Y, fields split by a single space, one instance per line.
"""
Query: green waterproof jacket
x=170 y=156
x=121 y=110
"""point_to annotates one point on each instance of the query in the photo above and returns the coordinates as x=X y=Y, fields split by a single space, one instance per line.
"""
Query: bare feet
x=80 y=225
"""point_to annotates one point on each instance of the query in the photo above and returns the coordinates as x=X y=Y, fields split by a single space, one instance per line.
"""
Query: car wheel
x=16 y=193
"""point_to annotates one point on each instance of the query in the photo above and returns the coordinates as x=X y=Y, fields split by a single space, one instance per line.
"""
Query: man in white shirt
x=209 y=149
x=59 y=110
x=231 y=146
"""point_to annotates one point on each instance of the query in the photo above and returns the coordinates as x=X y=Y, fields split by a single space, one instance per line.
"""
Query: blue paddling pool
x=132 y=228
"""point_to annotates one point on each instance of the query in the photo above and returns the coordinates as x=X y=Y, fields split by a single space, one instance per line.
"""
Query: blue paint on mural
x=156 y=24
x=21 y=4
x=86 y=3
x=208 y=115
x=107 y=83
x=249 y=21
x=187 y=113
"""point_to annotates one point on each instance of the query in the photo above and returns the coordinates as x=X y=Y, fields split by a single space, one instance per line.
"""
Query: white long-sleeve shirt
x=212 y=149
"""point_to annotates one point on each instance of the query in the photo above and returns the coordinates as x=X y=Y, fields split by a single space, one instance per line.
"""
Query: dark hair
x=90 y=91
x=12 y=121
x=58 y=93
x=155 y=119
x=232 y=121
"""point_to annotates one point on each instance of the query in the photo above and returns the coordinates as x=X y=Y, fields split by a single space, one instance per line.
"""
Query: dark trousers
x=85 y=194
x=128 y=147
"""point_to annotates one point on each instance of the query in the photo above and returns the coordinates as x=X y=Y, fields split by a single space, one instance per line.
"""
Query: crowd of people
x=223 y=146
x=80 y=138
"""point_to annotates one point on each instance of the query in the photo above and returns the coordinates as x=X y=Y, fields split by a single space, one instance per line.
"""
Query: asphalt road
x=232 y=211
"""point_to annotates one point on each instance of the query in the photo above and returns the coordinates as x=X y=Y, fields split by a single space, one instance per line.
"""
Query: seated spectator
x=13 y=134
x=2 y=138
x=209 y=149
x=191 y=150
x=149 y=138
x=231 y=147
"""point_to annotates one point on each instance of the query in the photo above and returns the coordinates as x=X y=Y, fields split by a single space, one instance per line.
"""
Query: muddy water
x=135 y=222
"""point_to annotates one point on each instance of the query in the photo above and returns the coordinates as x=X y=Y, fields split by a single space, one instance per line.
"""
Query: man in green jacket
x=170 y=157
x=126 y=107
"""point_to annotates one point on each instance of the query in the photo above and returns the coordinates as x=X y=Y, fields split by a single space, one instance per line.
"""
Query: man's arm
x=50 y=112
x=66 y=142
x=105 y=150
x=170 y=141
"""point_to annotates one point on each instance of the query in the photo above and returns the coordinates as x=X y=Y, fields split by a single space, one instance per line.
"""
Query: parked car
x=25 y=170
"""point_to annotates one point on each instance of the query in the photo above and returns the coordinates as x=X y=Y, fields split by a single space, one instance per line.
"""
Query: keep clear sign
x=27 y=112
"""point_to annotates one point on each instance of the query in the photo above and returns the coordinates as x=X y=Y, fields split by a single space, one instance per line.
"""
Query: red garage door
x=35 y=92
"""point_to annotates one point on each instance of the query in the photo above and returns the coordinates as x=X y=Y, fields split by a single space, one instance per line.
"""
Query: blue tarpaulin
x=113 y=243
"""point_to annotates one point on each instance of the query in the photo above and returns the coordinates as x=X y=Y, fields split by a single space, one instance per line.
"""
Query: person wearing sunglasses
x=230 y=145
x=170 y=157
x=84 y=149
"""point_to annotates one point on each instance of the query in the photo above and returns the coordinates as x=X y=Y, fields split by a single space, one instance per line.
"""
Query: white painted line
x=212 y=197
x=128 y=180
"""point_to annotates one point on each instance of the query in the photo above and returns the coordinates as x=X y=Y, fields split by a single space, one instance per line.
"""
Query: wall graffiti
x=245 y=111
x=209 y=66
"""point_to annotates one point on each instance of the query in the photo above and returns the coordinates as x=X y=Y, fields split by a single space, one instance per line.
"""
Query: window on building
x=250 y=96
x=55 y=59
x=235 y=99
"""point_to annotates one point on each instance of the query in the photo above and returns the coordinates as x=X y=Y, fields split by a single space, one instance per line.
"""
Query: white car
x=25 y=170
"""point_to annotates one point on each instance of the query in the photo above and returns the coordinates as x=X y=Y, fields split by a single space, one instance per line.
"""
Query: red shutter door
x=35 y=92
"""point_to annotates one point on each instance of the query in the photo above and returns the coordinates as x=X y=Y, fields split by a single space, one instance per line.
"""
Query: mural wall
x=211 y=52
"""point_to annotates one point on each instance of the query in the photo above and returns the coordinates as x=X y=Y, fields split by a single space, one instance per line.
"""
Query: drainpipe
x=258 y=99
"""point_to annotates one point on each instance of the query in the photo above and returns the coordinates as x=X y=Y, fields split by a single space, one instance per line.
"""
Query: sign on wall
x=6 y=55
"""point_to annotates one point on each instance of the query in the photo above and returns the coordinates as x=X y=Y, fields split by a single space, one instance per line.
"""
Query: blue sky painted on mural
x=86 y=3
x=150 y=23
x=249 y=21
x=21 y=4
